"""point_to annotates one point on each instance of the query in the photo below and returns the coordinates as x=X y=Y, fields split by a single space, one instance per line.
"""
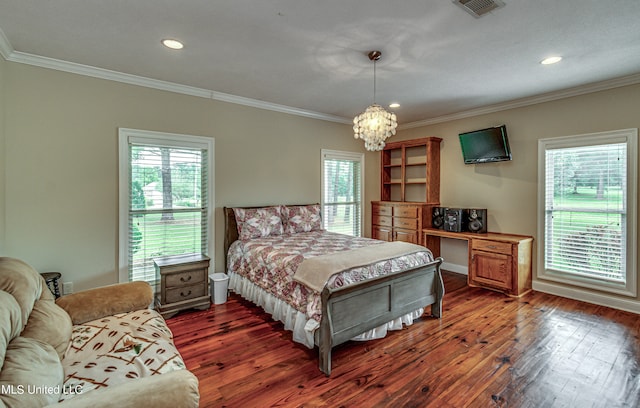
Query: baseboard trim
x=462 y=269
x=627 y=305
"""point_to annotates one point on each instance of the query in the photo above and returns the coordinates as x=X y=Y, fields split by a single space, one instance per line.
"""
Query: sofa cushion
x=10 y=322
x=22 y=281
x=116 y=349
x=96 y=303
x=32 y=374
x=50 y=324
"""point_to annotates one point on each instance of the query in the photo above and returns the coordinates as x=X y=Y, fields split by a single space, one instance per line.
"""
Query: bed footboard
x=352 y=310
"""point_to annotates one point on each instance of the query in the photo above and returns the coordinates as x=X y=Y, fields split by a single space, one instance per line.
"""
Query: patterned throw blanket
x=115 y=349
x=315 y=272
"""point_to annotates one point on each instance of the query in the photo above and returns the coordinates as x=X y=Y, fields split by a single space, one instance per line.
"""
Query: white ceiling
x=437 y=60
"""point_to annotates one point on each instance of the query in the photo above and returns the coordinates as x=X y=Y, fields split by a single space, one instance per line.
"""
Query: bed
x=326 y=288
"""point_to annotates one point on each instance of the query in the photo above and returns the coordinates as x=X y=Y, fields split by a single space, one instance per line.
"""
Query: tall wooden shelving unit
x=410 y=187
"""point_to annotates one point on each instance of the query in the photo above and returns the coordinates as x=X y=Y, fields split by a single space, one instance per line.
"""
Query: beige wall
x=59 y=136
x=61 y=162
x=2 y=157
x=509 y=189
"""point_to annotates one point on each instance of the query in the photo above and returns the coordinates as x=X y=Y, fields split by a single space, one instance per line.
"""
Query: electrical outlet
x=67 y=288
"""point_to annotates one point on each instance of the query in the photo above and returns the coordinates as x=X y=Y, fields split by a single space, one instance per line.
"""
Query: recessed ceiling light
x=394 y=105
x=173 y=44
x=550 y=60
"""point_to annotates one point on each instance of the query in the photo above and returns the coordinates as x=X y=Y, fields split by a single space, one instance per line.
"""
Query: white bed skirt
x=295 y=321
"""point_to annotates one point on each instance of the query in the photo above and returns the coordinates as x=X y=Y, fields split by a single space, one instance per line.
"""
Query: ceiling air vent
x=478 y=8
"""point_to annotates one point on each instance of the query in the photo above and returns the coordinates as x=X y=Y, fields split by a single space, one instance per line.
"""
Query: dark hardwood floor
x=488 y=350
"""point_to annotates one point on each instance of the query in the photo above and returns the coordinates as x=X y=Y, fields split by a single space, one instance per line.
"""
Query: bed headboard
x=231 y=226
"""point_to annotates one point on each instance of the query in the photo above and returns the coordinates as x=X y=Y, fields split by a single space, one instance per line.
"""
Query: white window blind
x=342 y=191
x=585 y=210
x=167 y=202
x=587 y=220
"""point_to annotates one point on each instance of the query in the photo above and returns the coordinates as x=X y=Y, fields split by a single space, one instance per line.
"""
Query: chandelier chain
x=374 y=81
x=375 y=124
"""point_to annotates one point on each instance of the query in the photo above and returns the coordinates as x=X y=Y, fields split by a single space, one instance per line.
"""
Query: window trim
x=630 y=138
x=162 y=139
x=343 y=155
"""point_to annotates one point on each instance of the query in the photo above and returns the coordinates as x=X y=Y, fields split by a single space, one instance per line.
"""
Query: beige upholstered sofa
x=98 y=348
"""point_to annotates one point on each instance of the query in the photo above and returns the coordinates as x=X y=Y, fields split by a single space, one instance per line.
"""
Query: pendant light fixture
x=375 y=124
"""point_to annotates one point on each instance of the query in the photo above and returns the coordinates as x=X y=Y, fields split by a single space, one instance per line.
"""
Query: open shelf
x=410 y=170
x=416 y=161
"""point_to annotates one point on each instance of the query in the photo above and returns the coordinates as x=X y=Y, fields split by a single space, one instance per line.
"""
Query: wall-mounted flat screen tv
x=485 y=145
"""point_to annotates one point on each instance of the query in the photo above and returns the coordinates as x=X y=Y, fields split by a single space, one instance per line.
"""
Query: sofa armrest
x=171 y=390
x=106 y=301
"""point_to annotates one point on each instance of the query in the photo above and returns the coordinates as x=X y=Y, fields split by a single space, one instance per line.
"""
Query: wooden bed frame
x=354 y=309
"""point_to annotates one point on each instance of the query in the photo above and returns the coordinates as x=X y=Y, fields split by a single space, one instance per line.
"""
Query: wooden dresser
x=184 y=283
x=399 y=221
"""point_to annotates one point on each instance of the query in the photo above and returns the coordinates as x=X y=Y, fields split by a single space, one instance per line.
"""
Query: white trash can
x=218 y=285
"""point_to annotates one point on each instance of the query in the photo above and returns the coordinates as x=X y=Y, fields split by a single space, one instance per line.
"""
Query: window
x=342 y=191
x=166 y=194
x=587 y=208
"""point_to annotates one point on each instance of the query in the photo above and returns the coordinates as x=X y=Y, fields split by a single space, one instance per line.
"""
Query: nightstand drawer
x=186 y=278
x=410 y=212
x=410 y=223
x=185 y=293
x=381 y=220
x=491 y=246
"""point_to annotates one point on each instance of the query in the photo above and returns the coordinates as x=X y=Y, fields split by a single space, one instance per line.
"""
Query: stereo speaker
x=455 y=219
x=437 y=217
x=476 y=219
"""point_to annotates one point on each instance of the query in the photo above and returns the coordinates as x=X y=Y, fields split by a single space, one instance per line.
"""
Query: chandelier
x=375 y=124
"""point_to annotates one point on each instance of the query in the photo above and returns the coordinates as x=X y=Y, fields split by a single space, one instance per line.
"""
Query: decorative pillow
x=302 y=218
x=258 y=222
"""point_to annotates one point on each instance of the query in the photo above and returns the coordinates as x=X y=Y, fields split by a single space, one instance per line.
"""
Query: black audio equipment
x=476 y=219
x=437 y=217
x=455 y=219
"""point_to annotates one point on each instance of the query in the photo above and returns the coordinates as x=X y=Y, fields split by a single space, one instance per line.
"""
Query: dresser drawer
x=185 y=278
x=409 y=223
x=491 y=246
x=185 y=293
x=381 y=210
x=381 y=220
x=411 y=212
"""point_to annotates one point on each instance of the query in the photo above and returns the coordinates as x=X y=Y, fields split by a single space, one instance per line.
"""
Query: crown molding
x=101 y=73
x=240 y=100
x=9 y=54
x=86 y=70
x=533 y=100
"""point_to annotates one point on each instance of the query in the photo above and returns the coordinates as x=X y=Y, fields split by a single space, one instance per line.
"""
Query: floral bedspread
x=270 y=262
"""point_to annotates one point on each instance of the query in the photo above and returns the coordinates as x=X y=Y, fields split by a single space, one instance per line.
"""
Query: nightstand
x=183 y=283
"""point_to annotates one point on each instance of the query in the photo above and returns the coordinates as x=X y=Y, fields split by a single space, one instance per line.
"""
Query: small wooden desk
x=497 y=261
